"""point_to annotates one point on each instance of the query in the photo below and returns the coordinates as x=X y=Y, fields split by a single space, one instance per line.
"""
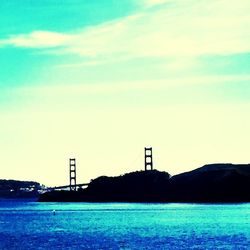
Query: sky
x=100 y=80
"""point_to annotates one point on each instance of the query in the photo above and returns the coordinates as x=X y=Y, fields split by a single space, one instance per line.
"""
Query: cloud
x=38 y=39
x=187 y=28
x=193 y=29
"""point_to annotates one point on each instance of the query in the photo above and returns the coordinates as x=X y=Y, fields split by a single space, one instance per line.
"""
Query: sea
x=28 y=224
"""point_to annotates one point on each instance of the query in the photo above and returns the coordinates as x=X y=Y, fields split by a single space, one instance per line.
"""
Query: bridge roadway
x=68 y=186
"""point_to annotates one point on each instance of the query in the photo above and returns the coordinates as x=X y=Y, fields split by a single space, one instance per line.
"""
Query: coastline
x=215 y=183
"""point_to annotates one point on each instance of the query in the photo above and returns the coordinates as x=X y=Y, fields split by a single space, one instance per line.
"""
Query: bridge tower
x=72 y=174
x=148 y=159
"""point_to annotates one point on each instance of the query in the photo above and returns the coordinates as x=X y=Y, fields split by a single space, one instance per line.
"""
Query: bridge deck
x=68 y=186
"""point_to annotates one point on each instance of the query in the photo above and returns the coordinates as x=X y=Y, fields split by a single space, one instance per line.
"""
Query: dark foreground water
x=32 y=225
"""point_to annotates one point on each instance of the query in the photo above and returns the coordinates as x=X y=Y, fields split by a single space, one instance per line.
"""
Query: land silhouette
x=225 y=183
x=19 y=189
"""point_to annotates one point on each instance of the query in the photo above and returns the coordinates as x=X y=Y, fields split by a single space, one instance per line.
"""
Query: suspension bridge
x=73 y=186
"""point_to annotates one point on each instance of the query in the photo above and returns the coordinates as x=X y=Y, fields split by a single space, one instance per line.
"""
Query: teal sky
x=99 y=80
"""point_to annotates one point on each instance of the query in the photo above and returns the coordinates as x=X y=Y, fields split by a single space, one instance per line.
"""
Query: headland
x=213 y=183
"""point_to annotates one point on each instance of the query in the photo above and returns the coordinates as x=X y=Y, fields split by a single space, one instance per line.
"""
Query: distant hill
x=136 y=186
x=210 y=183
x=143 y=186
x=213 y=183
x=19 y=189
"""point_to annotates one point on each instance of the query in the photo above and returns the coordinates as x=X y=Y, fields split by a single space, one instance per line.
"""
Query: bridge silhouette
x=148 y=164
x=69 y=186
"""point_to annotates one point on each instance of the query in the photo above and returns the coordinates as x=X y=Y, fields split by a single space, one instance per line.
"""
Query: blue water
x=32 y=225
